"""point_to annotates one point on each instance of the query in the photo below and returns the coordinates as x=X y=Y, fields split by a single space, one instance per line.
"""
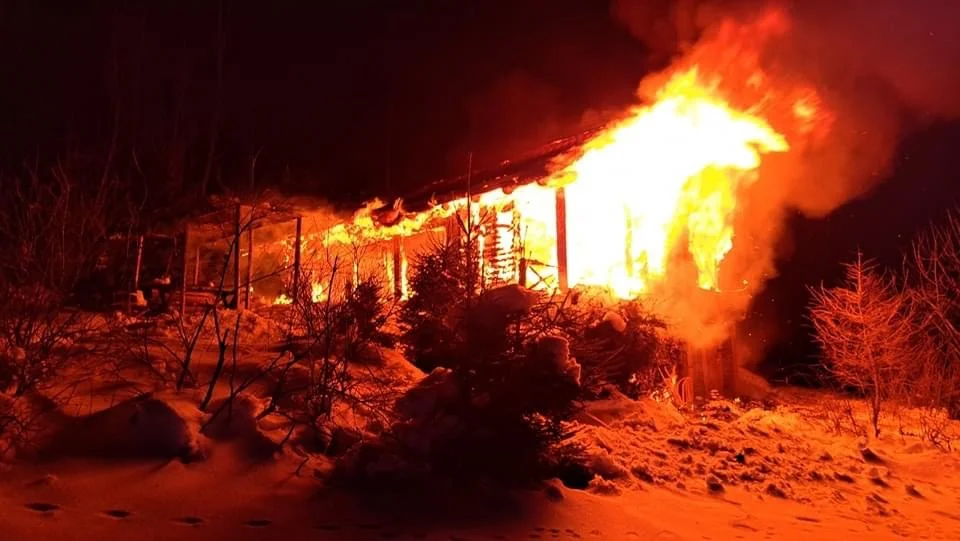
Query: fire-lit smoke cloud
x=874 y=70
x=880 y=64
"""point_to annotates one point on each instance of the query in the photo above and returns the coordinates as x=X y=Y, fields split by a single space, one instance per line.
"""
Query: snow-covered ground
x=727 y=471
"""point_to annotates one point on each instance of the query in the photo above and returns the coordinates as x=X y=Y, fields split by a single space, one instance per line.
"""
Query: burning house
x=647 y=207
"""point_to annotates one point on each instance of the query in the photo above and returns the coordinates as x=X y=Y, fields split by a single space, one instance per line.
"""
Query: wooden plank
x=183 y=279
x=246 y=297
x=236 y=259
x=562 y=239
x=296 y=257
x=398 y=267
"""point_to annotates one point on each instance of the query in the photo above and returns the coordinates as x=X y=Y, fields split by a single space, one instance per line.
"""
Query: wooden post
x=236 y=259
x=135 y=284
x=731 y=383
x=139 y=264
x=183 y=279
x=516 y=248
x=562 y=239
x=246 y=298
x=697 y=371
x=398 y=267
x=196 y=266
x=296 y=258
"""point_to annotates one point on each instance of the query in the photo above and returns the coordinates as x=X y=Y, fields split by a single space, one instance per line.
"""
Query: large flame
x=667 y=175
x=651 y=201
x=660 y=185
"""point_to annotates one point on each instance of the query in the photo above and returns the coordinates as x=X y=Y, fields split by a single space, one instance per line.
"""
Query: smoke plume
x=877 y=68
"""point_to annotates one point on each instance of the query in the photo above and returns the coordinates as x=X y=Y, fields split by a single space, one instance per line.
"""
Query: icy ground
x=790 y=470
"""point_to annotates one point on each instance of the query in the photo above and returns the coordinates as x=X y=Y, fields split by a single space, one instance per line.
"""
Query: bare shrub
x=51 y=226
x=937 y=428
x=933 y=270
x=334 y=335
x=38 y=337
x=867 y=335
x=841 y=417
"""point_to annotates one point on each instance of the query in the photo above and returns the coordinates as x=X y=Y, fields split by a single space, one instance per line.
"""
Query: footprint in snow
x=190 y=520
x=118 y=513
x=43 y=507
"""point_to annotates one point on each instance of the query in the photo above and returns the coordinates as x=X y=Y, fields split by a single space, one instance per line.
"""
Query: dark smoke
x=519 y=112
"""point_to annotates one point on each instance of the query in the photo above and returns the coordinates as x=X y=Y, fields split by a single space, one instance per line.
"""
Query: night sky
x=353 y=99
x=348 y=97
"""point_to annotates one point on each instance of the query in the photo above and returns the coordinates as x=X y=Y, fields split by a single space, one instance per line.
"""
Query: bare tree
x=866 y=331
x=52 y=225
x=933 y=268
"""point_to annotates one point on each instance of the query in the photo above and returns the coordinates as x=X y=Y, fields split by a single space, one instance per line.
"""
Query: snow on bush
x=234 y=418
x=506 y=301
x=556 y=350
x=143 y=427
x=432 y=394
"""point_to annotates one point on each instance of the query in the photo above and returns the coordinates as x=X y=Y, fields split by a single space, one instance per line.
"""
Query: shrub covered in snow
x=620 y=343
x=497 y=407
x=439 y=281
x=143 y=427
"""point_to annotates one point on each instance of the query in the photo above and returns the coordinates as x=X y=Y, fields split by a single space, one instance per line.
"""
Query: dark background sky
x=353 y=99
x=345 y=94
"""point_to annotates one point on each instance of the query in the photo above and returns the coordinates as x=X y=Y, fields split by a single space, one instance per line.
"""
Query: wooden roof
x=528 y=168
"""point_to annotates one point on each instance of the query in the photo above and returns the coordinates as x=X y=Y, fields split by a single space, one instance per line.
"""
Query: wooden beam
x=296 y=258
x=183 y=279
x=138 y=265
x=236 y=259
x=562 y=239
x=196 y=266
x=246 y=297
x=398 y=267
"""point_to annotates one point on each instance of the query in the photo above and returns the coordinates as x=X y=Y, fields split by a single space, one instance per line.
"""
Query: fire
x=316 y=292
x=668 y=175
x=651 y=201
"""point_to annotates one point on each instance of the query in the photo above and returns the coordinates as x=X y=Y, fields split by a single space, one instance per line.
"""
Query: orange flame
x=670 y=172
x=653 y=199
